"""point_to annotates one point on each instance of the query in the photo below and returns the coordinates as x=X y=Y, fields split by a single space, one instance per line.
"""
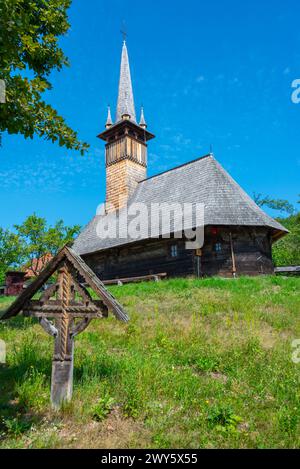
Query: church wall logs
x=250 y=253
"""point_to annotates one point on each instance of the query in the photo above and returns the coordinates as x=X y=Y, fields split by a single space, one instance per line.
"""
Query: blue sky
x=217 y=72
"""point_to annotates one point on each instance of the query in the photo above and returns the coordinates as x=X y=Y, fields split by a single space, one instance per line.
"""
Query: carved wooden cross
x=70 y=305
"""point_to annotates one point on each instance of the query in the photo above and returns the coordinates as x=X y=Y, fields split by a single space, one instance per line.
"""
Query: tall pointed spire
x=125 y=106
x=143 y=122
x=109 y=121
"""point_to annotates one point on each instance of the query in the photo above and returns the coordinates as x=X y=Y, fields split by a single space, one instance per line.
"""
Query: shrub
x=16 y=426
x=223 y=418
x=102 y=408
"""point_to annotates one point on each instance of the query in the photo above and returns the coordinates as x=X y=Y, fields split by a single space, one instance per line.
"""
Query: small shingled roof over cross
x=82 y=269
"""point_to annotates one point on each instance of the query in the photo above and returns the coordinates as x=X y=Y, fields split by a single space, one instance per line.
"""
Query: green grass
x=201 y=364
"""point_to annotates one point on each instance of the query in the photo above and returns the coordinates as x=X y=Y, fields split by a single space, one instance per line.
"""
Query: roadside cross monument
x=64 y=310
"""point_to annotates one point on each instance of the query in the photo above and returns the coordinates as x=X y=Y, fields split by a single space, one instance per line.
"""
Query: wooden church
x=238 y=235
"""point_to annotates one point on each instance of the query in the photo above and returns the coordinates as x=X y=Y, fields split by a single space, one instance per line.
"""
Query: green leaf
x=29 y=34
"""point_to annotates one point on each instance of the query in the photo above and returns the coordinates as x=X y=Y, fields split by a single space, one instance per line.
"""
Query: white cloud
x=165 y=147
x=53 y=175
x=179 y=139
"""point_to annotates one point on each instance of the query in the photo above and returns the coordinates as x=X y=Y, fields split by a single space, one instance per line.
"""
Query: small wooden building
x=238 y=235
x=14 y=283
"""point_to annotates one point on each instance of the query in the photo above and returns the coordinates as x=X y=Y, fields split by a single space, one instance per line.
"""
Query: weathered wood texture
x=244 y=251
x=142 y=259
x=62 y=381
x=250 y=252
x=121 y=181
x=72 y=307
x=291 y=270
x=143 y=278
x=85 y=273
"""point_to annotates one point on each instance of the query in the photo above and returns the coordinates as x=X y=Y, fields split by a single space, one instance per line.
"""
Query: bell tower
x=126 y=143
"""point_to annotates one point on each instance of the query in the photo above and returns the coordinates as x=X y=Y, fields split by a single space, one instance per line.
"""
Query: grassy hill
x=201 y=364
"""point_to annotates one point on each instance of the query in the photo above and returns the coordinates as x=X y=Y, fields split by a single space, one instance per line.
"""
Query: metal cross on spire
x=123 y=31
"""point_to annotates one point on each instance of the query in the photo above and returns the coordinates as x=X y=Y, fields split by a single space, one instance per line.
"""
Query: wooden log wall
x=251 y=248
x=151 y=257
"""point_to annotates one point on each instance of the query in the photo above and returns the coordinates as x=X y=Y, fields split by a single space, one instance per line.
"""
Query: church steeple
x=126 y=144
x=125 y=106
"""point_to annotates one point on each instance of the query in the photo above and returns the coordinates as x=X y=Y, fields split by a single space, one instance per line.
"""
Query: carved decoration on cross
x=64 y=310
x=65 y=302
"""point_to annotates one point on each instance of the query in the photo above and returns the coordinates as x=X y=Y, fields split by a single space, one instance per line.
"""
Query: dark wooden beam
x=142 y=278
x=95 y=283
x=35 y=286
x=80 y=266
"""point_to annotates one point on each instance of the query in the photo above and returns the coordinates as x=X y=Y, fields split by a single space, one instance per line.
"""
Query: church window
x=174 y=250
x=218 y=247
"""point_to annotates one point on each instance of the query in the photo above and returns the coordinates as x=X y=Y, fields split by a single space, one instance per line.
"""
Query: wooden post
x=62 y=364
x=62 y=381
x=232 y=256
x=198 y=254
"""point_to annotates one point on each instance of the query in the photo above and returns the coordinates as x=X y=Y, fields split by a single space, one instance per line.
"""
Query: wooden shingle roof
x=201 y=181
